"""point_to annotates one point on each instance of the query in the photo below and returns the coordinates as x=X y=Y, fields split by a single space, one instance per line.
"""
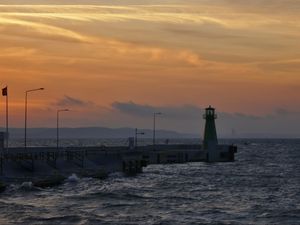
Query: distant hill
x=93 y=132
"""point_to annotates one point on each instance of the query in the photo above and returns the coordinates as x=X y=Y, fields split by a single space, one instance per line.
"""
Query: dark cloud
x=71 y=101
x=188 y=118
x=244 y=116
x=182 y=112
x=175 y=112
x=284 y=112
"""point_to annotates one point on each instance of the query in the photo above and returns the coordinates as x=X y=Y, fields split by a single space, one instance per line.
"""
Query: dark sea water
x=261 y=187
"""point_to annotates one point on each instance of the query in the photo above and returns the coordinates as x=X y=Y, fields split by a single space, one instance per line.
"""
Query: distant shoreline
x=125 y=132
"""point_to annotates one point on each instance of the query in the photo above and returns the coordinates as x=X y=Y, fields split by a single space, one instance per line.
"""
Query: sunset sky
x=114 y=63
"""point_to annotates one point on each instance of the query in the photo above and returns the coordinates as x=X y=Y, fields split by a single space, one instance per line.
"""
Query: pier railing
x=77 y=155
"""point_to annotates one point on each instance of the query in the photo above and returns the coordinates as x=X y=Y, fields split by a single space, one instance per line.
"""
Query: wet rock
x=98 y=174
x=49 y=181
x=2 y=187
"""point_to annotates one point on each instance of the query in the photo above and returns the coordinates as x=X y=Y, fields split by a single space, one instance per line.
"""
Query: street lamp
x=136 y=134
x=154 y=121
x=57 y=125
x=26 y=95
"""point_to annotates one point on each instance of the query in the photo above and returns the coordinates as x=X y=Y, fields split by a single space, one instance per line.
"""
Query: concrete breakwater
x=46 y=166
x=42 y=164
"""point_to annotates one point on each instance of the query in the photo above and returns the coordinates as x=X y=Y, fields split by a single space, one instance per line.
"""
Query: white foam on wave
x=73 y=178
x=116 y=175
x=26 y=185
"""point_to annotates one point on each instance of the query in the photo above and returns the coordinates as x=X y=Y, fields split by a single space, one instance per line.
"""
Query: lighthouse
x=210 y=140
x=210 y=133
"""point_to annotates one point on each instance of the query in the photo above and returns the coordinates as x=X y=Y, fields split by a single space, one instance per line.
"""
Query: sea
x=261 y=187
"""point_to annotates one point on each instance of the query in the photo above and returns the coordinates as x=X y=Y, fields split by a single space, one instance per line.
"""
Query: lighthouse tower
x=210 y=133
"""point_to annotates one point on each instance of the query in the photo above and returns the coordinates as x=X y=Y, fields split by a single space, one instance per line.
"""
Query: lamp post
x=57 y=125
x=154 y=121
x=26 y=96
x=136 y=134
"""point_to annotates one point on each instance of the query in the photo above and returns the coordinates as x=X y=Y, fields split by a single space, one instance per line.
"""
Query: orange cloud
x=198 y=53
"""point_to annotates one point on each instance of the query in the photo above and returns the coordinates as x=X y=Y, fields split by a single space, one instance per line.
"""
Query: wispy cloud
x=17 y=52
x=292 y=65
x=200 y=14
x=14 y=26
